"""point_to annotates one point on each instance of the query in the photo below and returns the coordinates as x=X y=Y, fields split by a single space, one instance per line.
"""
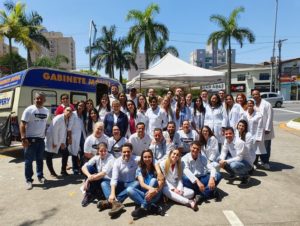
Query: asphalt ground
x=271 y=197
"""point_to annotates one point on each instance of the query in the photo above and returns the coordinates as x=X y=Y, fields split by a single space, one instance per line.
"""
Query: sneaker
x=231 y=177
x=103 y=205
x=245 y=180
x=252 y=170
x=42 y=180
x=199 y=199
x=53 y=174
x=87 y=199
x=139 y=213
x=217 y=195
x=28 y=185
x=156 y=210
x=116 y=208
x=266 y=166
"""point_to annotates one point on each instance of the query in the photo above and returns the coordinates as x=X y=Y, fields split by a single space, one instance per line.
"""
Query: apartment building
x=59 y=45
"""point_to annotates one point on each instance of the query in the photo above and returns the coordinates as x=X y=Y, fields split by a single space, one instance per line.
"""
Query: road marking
x=232 y=218
x=295 y=112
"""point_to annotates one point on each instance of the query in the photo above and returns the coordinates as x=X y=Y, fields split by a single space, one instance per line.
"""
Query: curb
x=294 y=125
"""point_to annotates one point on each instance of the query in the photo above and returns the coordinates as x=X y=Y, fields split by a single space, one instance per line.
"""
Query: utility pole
x=273 y=53
x=280 y=41
x=92 y=25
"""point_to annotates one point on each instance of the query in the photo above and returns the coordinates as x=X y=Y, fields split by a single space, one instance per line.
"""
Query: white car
x=275 y=99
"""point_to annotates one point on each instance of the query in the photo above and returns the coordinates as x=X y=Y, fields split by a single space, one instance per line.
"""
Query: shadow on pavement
x=278 y=166
x=45 y=216
x=60 y=182
x=258 y=173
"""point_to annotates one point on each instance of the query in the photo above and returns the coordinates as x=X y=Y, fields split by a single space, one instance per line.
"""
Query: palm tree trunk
x=121 y=77
x=29 y=61
x=146 y=52
x=228 y=77
x=10 y=55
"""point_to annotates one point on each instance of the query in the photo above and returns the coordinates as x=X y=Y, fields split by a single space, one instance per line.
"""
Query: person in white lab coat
x=209 y=145
x=56 y=139
x=232 y=112
x=265 y=108
x=214 y=115
x=256 y=129
x=78 y=135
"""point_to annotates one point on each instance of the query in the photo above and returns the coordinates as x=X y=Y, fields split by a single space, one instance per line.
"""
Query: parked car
x=275 y=99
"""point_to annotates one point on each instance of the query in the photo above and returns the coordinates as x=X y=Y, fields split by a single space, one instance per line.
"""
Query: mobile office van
x=17 y=92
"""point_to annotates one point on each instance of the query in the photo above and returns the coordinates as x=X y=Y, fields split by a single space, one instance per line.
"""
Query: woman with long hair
x=241 y=99
x=166 y=106
x=123 y=100
x=173 y=188
x=92 y=119
x=182 y=112
x=132 y=118
x=150 y=188
x=198 y=114
x=214 y=115
x=104 y=106
x=233 y=112
x=142 y=107
x=209 y=144
x=243 y=134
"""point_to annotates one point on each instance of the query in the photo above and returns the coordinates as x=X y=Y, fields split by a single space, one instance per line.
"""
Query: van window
x=76 y=97
x=51 y=97
x=6 y=99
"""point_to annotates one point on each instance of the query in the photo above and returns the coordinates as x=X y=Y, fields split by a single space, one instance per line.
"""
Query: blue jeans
x=95 y=186
x=207 y=193
x=137 y=194
x=121 y=189
x=239 y=168
x=35 y=150
x=265 y=158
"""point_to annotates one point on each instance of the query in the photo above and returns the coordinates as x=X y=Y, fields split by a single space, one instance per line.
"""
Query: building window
x=264 y=76
x=241 y=77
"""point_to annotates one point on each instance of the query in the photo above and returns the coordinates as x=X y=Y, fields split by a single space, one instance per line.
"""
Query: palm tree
x=51 y=62
x=105 y=51
x=125 y=59
x=229 y=30
x=33 y=22
x=11 y=26
x=146 y=30
x=160 y=50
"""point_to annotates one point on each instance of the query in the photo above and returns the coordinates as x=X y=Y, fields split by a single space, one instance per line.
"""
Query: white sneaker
x=266 y=166
x=28 y=185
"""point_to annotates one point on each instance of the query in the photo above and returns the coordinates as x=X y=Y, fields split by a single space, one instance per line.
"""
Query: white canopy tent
x=170 y=71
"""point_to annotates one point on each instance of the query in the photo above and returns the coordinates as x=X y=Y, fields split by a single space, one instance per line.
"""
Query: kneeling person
x=199 y=174
x=98 y=169
x=123 y=176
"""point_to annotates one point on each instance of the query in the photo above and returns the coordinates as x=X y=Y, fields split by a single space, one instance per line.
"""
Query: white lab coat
x=213 y=119
x=77 y=129
x=265 y=108
x=256 y=129
x=232 y=117
x=56 y=133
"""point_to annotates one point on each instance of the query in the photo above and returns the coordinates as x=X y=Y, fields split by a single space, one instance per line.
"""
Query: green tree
x=160 y=50
x=104 y=51
x=51 y=62
x=11 y=26
x=18 y=62
x=34 y=22
x=229 y=30
x=88 y=72
x=146 y=30
x=125 y=59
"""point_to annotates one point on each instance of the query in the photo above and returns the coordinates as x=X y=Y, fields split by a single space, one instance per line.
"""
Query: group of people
x=143 y=147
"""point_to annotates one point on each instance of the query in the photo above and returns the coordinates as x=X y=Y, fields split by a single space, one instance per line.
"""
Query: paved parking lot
x=271 y=198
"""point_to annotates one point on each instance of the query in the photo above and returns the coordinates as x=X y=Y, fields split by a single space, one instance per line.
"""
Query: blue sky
x=187 y=21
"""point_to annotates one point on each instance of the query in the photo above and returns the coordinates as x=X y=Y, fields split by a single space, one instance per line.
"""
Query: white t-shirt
x=139 y=144
x=36 y=120
x=187 y=138
x=103 y=165
x=91 y=143
x=114 y=147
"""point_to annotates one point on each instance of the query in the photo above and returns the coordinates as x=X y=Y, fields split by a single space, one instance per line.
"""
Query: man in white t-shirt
x=32 y=129
x=92 y=141
x=187 y=136
x=139 y=140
